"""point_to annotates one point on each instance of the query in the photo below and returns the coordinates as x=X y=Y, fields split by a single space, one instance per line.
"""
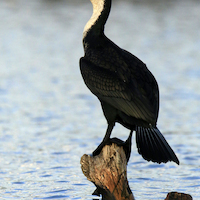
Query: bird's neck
x=95 y=26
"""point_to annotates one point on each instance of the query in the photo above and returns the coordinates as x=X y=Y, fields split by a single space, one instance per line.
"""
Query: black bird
x=127 y=90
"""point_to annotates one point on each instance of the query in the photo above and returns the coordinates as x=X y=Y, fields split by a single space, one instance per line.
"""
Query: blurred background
x=49 y=119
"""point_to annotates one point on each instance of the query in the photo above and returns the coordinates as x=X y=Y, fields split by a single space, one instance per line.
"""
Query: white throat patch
x=98 y=6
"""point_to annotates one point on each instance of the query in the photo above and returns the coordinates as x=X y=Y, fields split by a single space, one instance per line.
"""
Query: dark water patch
x=136 y=163
x=59 y=167
x=39 y=162
x=196 y=170
x=133 y=180
x=180 y=145
x=194 y=186
x=154 y=166
x=84 y=96
x=79 y=184
x=154 y=188
x=30 y=172
x=55 y=197
x=46 y=176
x=10 y=192
x=83 y=145
x=27 y=161
x=139 y=179
x=18 y=182
x=145 y=179
x=42 y=119
x=3 y=172
x=43 y=186
x=57 y=191
x=190 y=158
x=62 y=181
x=191 y=178
x=59 y=153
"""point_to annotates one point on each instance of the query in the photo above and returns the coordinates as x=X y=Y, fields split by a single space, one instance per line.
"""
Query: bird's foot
x=97 y=151
x=126 y=145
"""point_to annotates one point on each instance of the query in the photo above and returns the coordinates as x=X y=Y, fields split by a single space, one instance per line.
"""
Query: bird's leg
x=127 y=145
x=105 y=140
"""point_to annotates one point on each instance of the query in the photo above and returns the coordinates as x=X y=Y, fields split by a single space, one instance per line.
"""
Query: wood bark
x=178 y=196
x=108 y=171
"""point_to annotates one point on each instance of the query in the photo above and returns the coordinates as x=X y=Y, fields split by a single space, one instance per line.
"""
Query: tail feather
x=153 y=146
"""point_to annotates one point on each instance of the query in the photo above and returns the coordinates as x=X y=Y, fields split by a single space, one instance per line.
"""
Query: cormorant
x=127 y=90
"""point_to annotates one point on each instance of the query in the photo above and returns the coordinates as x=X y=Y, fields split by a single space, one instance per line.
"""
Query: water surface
x=49 y=119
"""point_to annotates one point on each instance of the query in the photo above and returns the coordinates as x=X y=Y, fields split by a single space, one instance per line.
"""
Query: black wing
x=121 y=79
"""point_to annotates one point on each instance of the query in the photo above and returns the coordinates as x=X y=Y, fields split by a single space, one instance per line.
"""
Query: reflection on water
x=49 y=119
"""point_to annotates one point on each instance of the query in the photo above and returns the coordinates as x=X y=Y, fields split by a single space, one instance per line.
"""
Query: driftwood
x=178 y=196
x=108 y=172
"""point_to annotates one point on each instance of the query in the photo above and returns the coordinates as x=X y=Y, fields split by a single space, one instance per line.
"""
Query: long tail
x=153 y=146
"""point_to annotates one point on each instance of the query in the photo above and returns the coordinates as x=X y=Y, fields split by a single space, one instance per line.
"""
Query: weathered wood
x=178 y=196
x=108 y=171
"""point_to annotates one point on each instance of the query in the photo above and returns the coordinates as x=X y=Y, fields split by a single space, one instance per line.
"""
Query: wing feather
x=125 y=95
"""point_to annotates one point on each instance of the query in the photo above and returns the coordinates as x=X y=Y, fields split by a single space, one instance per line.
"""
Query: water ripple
x=54 y=197
x=57 y=191
x=49 y=119
x=18 y=182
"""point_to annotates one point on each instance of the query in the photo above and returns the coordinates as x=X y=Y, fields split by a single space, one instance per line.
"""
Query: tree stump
x=108 y=171
x=178 y=196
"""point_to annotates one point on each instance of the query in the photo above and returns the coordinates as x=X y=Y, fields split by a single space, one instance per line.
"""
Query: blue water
x=49 y=119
